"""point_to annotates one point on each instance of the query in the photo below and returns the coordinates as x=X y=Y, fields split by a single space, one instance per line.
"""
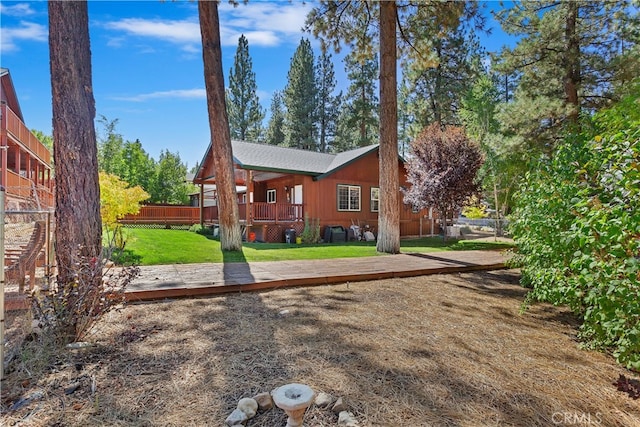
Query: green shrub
x=197 y=228
x=577 y=228
x=311 y=231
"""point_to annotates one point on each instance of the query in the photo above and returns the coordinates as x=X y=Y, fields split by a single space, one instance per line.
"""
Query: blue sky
x=147 y=63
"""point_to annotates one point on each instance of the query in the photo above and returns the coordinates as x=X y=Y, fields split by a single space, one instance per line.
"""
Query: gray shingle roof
x=250 y=155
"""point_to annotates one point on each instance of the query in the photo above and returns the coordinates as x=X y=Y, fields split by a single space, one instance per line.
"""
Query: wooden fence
x=164 y=215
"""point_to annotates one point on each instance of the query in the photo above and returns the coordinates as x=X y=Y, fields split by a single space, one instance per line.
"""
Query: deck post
x=201 y=204
x=249 y=199
x=2 y=194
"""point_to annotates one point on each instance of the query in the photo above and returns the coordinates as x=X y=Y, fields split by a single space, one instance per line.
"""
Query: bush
x=66 y=313
x=311 y=231
x=577 y=228
x=205 y=231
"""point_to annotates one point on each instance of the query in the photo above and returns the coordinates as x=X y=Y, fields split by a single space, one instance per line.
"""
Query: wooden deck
x=189 y=280
x=184 y=280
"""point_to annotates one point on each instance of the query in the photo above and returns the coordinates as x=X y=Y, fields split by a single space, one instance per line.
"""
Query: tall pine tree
x=300 y=99
x=275 y=129
x=359 y=118
x=78 y=227
x=243 y=104
x=347 y=21
x=328 y=103
x=571 y=57
x=436 y=86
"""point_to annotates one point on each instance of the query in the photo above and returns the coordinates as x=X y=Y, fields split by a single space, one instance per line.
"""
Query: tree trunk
x=78 y=230
x=389 y=217
x=497 y=231
x=437 y=91
x=230 y=234
x=572 y=61
x=363 y=119
x=444 y=223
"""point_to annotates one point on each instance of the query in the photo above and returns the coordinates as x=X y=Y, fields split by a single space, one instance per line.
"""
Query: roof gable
x=250 y=155
x=266 y=157
x=9 y=93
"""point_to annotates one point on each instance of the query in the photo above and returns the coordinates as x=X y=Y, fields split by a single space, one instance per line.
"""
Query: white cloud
x=20 y=9
x=185 y=32
x=177 y=93
x=264 y=24
x=280 y=17
x=26 y=31
x=255 y=38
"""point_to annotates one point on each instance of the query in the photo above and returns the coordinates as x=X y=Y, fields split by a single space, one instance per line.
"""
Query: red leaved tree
x=442 y=168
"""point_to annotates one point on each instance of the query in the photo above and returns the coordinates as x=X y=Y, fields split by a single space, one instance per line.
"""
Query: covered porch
x=259 y=212
x=263 y=197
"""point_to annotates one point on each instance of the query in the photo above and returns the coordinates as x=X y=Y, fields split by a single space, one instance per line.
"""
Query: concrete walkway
x=183 y=280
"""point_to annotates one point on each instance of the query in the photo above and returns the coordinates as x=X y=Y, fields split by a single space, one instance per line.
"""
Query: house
x=283 y=185
x=25 y=163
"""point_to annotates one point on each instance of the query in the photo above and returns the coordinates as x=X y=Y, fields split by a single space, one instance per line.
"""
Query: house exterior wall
x=25 y=163
x=320 y=197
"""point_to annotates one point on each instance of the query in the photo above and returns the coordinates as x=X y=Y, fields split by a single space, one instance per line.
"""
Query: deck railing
x=277 y=212
x=164 y=215
x=260 y=212
x=23 y=188
x=14 y=126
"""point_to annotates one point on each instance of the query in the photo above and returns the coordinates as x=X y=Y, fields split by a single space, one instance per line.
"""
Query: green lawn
x=162 y=246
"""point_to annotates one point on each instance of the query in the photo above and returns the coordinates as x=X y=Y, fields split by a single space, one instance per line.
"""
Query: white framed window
x=271 y=196
x=375 y=199
x=348 y=197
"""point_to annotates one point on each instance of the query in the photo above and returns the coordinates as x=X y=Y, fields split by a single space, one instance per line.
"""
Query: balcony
x=21 y=135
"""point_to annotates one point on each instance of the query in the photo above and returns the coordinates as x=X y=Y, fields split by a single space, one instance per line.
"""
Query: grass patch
x=162 y=246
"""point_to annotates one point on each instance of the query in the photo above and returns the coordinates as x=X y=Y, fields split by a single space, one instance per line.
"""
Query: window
x=375 y=199
x=271 y=196
x=348 y=198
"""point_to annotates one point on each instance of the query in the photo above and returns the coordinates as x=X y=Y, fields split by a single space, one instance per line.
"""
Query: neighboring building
x=25 y=163
x=283 y=185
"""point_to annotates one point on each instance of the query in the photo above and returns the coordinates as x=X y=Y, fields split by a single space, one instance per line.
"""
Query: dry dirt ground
x=447 y=350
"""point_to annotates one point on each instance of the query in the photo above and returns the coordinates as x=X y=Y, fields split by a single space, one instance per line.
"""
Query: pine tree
x=571 y=56
x=275 y=130
x=405 y=118
x=243 y=104
x=359 y=116
x=78 y=227
x=348 y=21
x=230 y=232
x=328 y=103
x=300 y=99
x=436 y=86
